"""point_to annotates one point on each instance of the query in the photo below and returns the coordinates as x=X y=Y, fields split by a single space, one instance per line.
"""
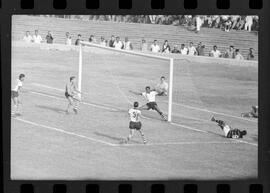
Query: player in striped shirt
x=15 y=93
x=135 y=123
x=72 y=95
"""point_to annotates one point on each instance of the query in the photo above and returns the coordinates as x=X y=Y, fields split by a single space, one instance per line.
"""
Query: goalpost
x=137 y=53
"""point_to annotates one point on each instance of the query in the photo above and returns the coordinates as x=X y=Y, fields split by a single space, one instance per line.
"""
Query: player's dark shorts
x=152 y=105
x=234 y=133
x=135 y=125
x=14 y=94
x=67 y=95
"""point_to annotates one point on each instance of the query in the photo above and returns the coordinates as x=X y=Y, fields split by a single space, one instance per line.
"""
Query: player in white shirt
x=37 y=38
x=118 y=44
x=135 y=123
x=191 y=49
x=27 y=38
x=162 y=87
x=150 y=96
x=154 y=47
x=15 y=93
x=72 y=95
x=215 y=52
x=228 y=131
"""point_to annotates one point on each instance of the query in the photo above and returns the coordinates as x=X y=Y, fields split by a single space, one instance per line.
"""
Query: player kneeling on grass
x=72 y=95
x=135 y=123
x=253 y=113
x=228 y=131
x=15 y=94
x=151 y=98
x=162 y=87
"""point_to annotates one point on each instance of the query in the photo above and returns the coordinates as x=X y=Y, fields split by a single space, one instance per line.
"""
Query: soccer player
x=71 y=94
x=135 y=123
x=150 y=95
x=15 y=93
x=228 y=131
x=162 y=87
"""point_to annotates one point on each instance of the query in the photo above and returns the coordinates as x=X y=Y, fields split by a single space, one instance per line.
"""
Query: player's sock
x=143 y=137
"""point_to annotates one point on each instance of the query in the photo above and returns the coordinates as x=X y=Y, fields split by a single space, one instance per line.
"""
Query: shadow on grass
x=118 y=139
x=55 y=109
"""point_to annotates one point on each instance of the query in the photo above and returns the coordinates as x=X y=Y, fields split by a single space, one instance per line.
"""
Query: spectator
x=238 y=56
x=249 y=22
x=215 y=52
x=127 y=44
x=118 y=44
x=111 y=42
x=37 y=38
x=154 y=47
x=250 y=54
x=166 y=48
x=229 y=53
x=27 y=38
x=92 y=39
x=199 y=22
x=227 y=25
x=183 y=50
x=241 y=23
x=102 y=41
x=191 y=49
x=68 y=39
x=77 y=42
x=49 y=38
x=175 y=50
x=234 y=19
x=200 y=49
x=144 y=46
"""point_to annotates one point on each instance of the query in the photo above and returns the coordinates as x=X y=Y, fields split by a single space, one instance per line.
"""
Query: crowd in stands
x=117 y=43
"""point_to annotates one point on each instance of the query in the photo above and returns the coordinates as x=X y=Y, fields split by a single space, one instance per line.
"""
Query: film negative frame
x=95 y=7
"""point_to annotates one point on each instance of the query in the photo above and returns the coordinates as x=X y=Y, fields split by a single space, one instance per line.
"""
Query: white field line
x=187 y=106
x=65 y=132
x=114 y=109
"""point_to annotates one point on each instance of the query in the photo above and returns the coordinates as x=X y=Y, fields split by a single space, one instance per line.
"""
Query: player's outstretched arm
x=136 y=93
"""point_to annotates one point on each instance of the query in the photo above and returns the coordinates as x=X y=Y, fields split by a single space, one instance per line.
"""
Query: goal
x=93 y=57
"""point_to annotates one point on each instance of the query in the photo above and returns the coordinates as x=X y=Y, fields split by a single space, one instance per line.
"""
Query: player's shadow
x=55 y=109
x=118 y=139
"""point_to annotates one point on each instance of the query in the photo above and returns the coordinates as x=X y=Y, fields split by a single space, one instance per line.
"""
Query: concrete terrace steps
x=174 y=34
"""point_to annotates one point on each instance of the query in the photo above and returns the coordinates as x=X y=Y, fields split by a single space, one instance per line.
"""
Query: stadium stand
x=176 y=35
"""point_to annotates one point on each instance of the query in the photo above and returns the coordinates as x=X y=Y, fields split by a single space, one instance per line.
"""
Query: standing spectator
x=199 y=22
x=175 y=50
x=68 y=39
x=111 y=42
x=154 y=47
x=249 y=22
x=37 y=38
x=166 y=48
x=250 y=54
x=102 y=41
x=227 y=25
x=77 y=42
x=191 y=49
x=27 y=38
x=234 y=19
x=49 y=38
x=127 y=44
x=215 y=52
x=241 y=23
x=229 y=53
x=144 y=46
x=200 y=49
x=118 y=44
x=183 y=49
x=238 y=56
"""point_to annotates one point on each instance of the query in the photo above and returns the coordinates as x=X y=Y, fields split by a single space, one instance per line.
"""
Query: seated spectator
x=111 y=42
x=200 y=49
x=37 y=38
x=127 y=44
x=238 y=56
x=144 y=46
x=229 y=53
x=191 y=49
x=183 y=50
x=77 y=42
x=68 y=39
x=154 y=47
x=166 y=48
x=175 y=50
x=92 y=39
x=102 y=41
x=27 y=38
x=118 y=44
x=49 y=38
x=250 y=54
x=215 y=52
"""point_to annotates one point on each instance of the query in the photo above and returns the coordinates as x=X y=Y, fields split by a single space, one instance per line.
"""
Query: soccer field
x=48 y=144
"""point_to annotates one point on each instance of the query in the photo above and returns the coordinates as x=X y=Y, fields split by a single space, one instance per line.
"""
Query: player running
x=151 y=98
x=228 y=131
x=15 y=94
x=71 y=94
x=135 y=123
x=162 y=87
